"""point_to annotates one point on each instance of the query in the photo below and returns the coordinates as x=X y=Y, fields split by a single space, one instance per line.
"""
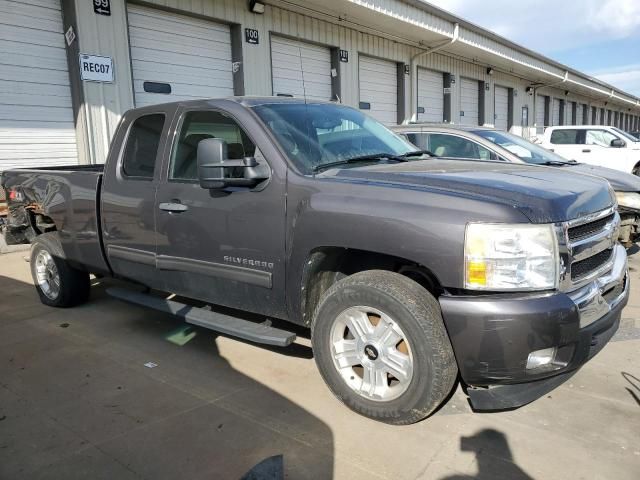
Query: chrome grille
x=584 y=267
x=586 y=246
x=580 y=232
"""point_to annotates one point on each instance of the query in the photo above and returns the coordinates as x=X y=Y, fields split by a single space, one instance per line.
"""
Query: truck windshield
x=626 y=135
x=525 y=150
x=314 y=135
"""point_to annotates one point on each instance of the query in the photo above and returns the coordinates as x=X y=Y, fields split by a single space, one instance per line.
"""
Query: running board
x=233 y=326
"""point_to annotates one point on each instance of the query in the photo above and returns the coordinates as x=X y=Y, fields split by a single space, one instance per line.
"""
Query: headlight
x=628 y=199
x=501 y=257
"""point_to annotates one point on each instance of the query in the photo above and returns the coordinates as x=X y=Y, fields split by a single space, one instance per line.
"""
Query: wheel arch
x=326 y=265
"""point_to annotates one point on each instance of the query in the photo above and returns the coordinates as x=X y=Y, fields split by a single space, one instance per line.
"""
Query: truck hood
x=544 y=195
x=620 y=181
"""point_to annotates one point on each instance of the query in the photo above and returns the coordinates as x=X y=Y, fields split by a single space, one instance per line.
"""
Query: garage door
x=300 y=68
x=430 y=96
x=501 y=108
x=36 y=116
x=468 y=101
x=555 y=118
x=540 y=111
x=378 y=81
x=175 y=57
x=579 y=113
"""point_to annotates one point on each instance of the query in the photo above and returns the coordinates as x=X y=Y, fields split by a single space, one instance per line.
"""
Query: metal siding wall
x=105 y=103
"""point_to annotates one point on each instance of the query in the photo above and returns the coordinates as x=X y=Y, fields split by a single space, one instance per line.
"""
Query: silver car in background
x=488 y=144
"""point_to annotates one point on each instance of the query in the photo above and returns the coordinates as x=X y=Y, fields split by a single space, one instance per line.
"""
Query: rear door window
x=443 y=145
x=141 y=148
x=565 y=137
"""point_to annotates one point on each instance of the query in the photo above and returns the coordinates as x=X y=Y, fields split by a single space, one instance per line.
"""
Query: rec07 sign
x=94 y=68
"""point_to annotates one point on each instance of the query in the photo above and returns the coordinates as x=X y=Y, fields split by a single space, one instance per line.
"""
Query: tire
x=48 y=262
x=636 y=171
x=406 y=310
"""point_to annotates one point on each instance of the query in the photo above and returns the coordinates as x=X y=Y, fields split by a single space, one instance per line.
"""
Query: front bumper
x=493 y=335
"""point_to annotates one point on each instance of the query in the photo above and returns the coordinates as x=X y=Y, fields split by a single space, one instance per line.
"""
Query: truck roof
x=247 y=101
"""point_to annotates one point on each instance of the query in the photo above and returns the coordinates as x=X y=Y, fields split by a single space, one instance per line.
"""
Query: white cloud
x=618 y=18
x=626 y=78
x=551 y=25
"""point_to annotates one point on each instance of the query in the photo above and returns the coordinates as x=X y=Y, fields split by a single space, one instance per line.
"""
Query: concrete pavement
x=77 y=401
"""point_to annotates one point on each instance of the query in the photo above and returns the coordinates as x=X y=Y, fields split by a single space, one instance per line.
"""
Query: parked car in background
x=410 y=271
x=594 y=144
x=636 y=134
x=489 y=144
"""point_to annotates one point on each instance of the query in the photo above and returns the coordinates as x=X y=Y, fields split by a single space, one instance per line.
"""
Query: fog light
x=541 y=358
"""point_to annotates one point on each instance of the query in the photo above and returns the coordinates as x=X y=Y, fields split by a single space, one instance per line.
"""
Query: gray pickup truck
x=410 y=271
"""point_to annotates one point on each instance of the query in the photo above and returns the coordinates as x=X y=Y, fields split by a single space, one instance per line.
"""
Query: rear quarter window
x=141 y=148
x=564 y=137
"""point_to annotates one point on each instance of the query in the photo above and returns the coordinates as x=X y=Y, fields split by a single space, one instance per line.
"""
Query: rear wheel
x=380 y=344
x=58 y=283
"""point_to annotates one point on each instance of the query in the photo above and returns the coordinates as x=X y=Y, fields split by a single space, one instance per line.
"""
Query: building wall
x=108 y=35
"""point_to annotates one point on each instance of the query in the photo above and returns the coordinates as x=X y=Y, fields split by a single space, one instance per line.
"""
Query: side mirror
x=216 y=170
x=617 y=143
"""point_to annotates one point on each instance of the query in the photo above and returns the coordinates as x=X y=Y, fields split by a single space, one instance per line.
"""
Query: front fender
x=422 y=227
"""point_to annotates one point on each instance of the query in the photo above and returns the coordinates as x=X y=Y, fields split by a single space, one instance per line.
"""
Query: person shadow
x=493 y=457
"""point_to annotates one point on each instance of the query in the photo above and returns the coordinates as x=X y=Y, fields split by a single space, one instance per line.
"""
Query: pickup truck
x=410 y=271
x=483 y=143
x=594 y=144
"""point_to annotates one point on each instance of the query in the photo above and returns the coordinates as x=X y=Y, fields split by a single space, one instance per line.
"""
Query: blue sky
x=598 y=37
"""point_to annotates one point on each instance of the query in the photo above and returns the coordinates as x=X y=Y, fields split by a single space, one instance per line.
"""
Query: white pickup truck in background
x=594 y=144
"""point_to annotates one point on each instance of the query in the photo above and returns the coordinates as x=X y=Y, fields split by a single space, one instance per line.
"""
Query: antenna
x=304 y=89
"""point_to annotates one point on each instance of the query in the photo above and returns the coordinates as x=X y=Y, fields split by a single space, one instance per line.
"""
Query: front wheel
x=58 y=283
x=380 y=344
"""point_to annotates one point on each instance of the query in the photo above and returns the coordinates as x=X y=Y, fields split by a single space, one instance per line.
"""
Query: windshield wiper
x=361 y=158
x=418 y=153
x=557 y=163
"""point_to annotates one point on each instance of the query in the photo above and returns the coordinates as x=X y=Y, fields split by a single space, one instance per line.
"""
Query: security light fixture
x=256 y=7
x=489 y=71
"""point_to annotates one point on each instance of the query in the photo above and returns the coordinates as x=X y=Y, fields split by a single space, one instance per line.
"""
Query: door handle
x=173 y=207
x=586 y=150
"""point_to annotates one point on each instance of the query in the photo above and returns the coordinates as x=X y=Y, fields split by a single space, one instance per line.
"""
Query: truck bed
x=66 y=198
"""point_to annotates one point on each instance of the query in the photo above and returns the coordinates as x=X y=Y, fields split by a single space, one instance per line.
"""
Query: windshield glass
x=626 y=135
x=313 y=135
x=528 y=152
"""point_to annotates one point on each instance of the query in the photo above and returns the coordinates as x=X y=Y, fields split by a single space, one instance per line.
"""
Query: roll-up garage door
x=579 y=113
x=300 y=68
x=175 y=57
x=378 y=81
x=555 y=119
x=540 y=100
x=430 y=96
x=468 y=101
x=36 y=115
x=501 y=107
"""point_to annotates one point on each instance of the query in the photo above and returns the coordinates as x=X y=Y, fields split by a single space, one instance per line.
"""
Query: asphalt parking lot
x=78 y=401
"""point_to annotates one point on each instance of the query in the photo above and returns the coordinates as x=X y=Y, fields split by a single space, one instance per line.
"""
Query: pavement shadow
x=77 y=402
x=493 y=457
x=635 y=384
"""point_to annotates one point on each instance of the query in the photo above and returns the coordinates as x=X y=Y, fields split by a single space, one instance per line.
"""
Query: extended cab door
x=128 y=193
x=224 y=246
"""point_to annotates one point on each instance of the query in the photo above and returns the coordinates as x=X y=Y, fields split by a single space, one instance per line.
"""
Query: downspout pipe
x=414 y=69
x=535 y=93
